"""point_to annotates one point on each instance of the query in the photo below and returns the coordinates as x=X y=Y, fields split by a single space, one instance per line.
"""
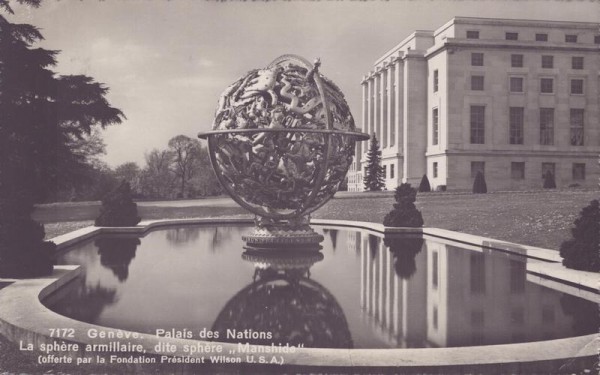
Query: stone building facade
x=510 y=98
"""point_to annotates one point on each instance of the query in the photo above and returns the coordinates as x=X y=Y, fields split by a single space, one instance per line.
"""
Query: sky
x=167 y=62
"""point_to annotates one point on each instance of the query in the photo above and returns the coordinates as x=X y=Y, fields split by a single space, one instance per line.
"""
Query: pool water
x=360 y=291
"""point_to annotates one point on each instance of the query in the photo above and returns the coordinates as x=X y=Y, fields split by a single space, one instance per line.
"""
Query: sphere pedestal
x=288 y=234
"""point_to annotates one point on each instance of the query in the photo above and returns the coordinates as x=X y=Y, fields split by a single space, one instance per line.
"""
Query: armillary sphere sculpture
x=281 y=144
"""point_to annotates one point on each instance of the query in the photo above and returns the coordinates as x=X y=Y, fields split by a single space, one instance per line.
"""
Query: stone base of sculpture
x=278 y=234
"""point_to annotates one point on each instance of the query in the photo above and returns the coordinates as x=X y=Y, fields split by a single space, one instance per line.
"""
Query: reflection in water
x=404 y=249
x=332 y=236
x=116 y=254
x=84 y=301
x=374 y=242
x=461 y=297
x=283 y=302
x=585 y=314
x=182 y=236
x=371 y=292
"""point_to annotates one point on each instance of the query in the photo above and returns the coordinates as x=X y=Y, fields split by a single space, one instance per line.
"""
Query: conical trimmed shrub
x=549 y=182
x=118 y=208
x=479 y=185
x=424 y=187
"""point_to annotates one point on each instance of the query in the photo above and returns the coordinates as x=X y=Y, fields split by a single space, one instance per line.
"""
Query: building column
x=383 y=107
x=415 y=119
x=390 y=105
x=365 y=98
x=399 y=114
x=376 y=103
x=370 y=105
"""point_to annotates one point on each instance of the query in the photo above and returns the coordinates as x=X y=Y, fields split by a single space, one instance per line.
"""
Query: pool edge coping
x=26 y=295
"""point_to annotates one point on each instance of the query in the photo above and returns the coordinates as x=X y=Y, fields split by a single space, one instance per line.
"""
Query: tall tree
x=129 y=172
x=43 y=115
x=186 y=153
x=204 y=182
x=157 y=178
x=373 y=178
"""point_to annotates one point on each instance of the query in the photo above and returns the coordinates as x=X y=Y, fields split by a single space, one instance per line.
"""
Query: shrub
x=118 y=208
x=479 y=185
x=404 y=214
x=549 y=182
x=23 y=251
x=424 y=187
x=581 y=251
x=440 y=188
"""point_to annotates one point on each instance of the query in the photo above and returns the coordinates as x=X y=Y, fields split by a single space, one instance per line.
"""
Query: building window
x=434 y=269
x=385 y=172
x=517 y=170
x=477 y=83
x=576 y=127
x=477 y=166
x=547 y=61
x=516 y=125
x=392 y=170
x=435 y=169
x=548 y=167
x=579 y=171
x=570 y=38
x=546 y=126
x=512 y=36
x=547 y=85
x=477 y=273
x=516 y=61
x=577 y=86
x=435 y=317
x=435 y=80
x=516 y=84
x=518 y=272
x=435 y=127
x=477 y=124
x=472 y=34
x=541 y=37
x=577 y=62
x=477 y=59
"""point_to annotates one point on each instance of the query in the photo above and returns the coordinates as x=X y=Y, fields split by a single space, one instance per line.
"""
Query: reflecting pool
x=360 y=291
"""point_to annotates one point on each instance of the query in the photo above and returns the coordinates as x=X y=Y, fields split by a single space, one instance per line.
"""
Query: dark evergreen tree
x=118 y=208
x=373 y=178
x=41 y=117
x=424 y=187
x=549 y=182
x=405 y=213
x=582 y=251
x=479 y=185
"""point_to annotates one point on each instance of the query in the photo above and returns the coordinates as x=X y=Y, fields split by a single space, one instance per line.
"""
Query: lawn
x=540 y=218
